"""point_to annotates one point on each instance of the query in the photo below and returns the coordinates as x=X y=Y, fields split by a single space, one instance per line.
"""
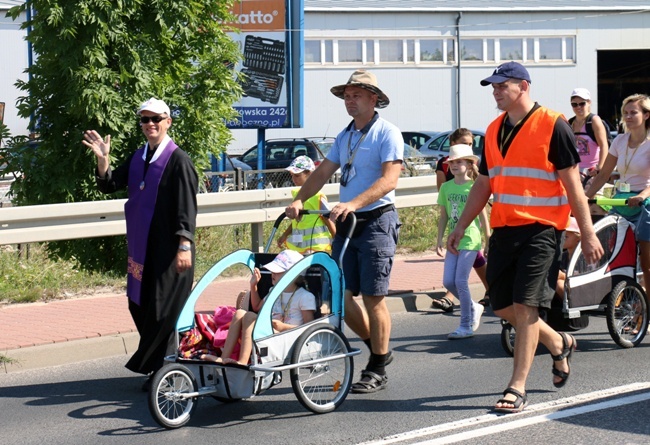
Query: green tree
x=95 y=62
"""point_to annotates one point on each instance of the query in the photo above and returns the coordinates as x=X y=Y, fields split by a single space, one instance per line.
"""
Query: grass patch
x=7 y=360
x=27 y=275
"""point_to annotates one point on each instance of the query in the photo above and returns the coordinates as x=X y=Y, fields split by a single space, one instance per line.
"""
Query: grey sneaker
x=476 y=315
x=461 y=333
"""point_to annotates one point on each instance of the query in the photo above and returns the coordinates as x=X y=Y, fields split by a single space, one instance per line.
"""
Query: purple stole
x=138 y=212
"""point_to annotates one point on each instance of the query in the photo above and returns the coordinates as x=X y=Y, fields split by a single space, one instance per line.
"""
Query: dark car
x=278 y=154
x=417 y=138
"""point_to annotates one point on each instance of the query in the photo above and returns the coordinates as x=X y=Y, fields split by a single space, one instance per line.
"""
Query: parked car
x=438 y=146
x=280 y=152
x=278 y=155
x=417 y=138
x=324 y=144
x=414 y=163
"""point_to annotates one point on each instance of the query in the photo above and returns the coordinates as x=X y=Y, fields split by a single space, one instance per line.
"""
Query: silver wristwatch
x=184 y=247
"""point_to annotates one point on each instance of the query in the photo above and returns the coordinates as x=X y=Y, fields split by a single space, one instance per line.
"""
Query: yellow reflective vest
x=310 y=234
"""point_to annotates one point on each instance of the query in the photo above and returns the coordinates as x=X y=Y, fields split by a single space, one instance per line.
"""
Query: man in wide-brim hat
x=369 y=152
x=366 y=80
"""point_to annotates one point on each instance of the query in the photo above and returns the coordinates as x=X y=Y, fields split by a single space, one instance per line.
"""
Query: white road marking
x=560 y=404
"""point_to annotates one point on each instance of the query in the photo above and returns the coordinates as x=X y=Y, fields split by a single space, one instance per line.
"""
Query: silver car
x=438 y=146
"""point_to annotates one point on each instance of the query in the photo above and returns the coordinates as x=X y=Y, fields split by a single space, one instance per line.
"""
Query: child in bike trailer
x=295 y=307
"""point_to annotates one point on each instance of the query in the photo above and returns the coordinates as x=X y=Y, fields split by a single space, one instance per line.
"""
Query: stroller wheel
x=627 y=314
x=169 y=403
x=321 y=387
x=508 y=337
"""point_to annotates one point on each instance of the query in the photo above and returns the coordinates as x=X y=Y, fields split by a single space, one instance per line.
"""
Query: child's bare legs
x=246 y=347
x=231 y=338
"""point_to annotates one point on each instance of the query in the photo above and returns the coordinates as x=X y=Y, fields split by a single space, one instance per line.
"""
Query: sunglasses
x=154 y=119
x=578 y=104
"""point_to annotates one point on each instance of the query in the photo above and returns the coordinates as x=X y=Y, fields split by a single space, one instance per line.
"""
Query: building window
x=431 y=50
x=370 y=51
x=350 y=51
x=312 y=51
x=410 y=51
x=471 y=50
x=391 y=51
x=550 y=49
x=328 y=51
x=511 y=49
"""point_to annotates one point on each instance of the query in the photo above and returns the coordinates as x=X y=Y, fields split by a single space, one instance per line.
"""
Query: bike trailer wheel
x=168 y=401
x=508 y=338
x=627 y=313
x=321 y=387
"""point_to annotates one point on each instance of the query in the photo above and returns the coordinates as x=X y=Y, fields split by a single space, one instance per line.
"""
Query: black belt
x=375 y=213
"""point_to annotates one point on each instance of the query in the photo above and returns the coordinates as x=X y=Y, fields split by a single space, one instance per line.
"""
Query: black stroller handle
x=348 y=236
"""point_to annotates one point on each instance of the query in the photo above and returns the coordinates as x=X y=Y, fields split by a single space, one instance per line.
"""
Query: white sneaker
x=461 y=333
x=476 y=316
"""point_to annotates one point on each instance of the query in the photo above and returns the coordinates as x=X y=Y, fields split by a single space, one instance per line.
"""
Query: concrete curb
x=126 y=344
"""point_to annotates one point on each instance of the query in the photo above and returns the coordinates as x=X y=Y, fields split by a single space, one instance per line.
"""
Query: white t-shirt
x=288 y=308
x=633 y=164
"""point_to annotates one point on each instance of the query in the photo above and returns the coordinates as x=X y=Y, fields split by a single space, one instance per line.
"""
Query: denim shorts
x=524 y=264
x=641 y=223
x=368 y=259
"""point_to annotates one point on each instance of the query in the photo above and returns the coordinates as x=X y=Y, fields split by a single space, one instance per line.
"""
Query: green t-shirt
x=454 y=198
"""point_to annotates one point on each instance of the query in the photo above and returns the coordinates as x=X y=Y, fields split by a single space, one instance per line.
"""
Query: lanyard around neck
x=352 y=151
x=285 y=308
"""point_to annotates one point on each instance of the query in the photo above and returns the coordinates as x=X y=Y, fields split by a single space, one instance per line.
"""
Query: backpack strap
x=589 y=128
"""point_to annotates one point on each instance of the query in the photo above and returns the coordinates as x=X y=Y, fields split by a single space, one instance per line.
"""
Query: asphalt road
x=439 y=391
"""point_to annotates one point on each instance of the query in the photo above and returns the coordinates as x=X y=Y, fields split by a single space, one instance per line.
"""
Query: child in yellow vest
x=312 y=233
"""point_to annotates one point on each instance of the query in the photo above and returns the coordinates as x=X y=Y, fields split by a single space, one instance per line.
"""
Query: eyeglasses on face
x=154 y=119
x=578 y=104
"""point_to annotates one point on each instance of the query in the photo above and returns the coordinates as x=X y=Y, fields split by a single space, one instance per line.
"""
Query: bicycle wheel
x=168 y=401
x=627 y=314
x=321 y=387
x=508 y=338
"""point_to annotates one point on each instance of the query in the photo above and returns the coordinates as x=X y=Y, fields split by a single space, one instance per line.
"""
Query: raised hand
x=100 y=147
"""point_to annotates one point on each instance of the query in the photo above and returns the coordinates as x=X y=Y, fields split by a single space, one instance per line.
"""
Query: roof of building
x=473 y=5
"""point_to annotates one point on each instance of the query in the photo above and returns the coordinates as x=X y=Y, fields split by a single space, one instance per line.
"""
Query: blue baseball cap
x=505 y=71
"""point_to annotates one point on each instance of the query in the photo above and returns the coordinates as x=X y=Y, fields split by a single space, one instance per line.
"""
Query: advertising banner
x=263 y=71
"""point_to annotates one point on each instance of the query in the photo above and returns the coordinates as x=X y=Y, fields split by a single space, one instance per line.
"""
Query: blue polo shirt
x=382 y=143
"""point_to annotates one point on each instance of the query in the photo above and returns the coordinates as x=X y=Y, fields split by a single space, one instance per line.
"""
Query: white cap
x=582 y=93
x=155 y=106
x=283 y=261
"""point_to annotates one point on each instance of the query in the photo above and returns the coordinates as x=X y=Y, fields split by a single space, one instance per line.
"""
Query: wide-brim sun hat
x=461 y=151
x=283 y=261
x=366 y=80
x=573 y=225
x=155 y=106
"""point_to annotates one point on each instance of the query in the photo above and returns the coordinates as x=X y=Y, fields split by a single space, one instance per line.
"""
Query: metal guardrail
x=55 y=222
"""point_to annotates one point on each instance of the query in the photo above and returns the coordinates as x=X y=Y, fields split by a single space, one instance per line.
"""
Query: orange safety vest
x=526 y=187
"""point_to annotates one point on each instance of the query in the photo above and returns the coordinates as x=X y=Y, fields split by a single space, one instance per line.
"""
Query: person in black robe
x=161 y=270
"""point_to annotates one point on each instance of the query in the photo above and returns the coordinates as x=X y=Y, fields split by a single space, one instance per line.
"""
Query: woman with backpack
x=590 y=131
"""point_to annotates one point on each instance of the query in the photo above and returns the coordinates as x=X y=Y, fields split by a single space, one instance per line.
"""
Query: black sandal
x=443 y=303
x=369 y=383
x=485 y=301
x=566 y=354
x=518 y=404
